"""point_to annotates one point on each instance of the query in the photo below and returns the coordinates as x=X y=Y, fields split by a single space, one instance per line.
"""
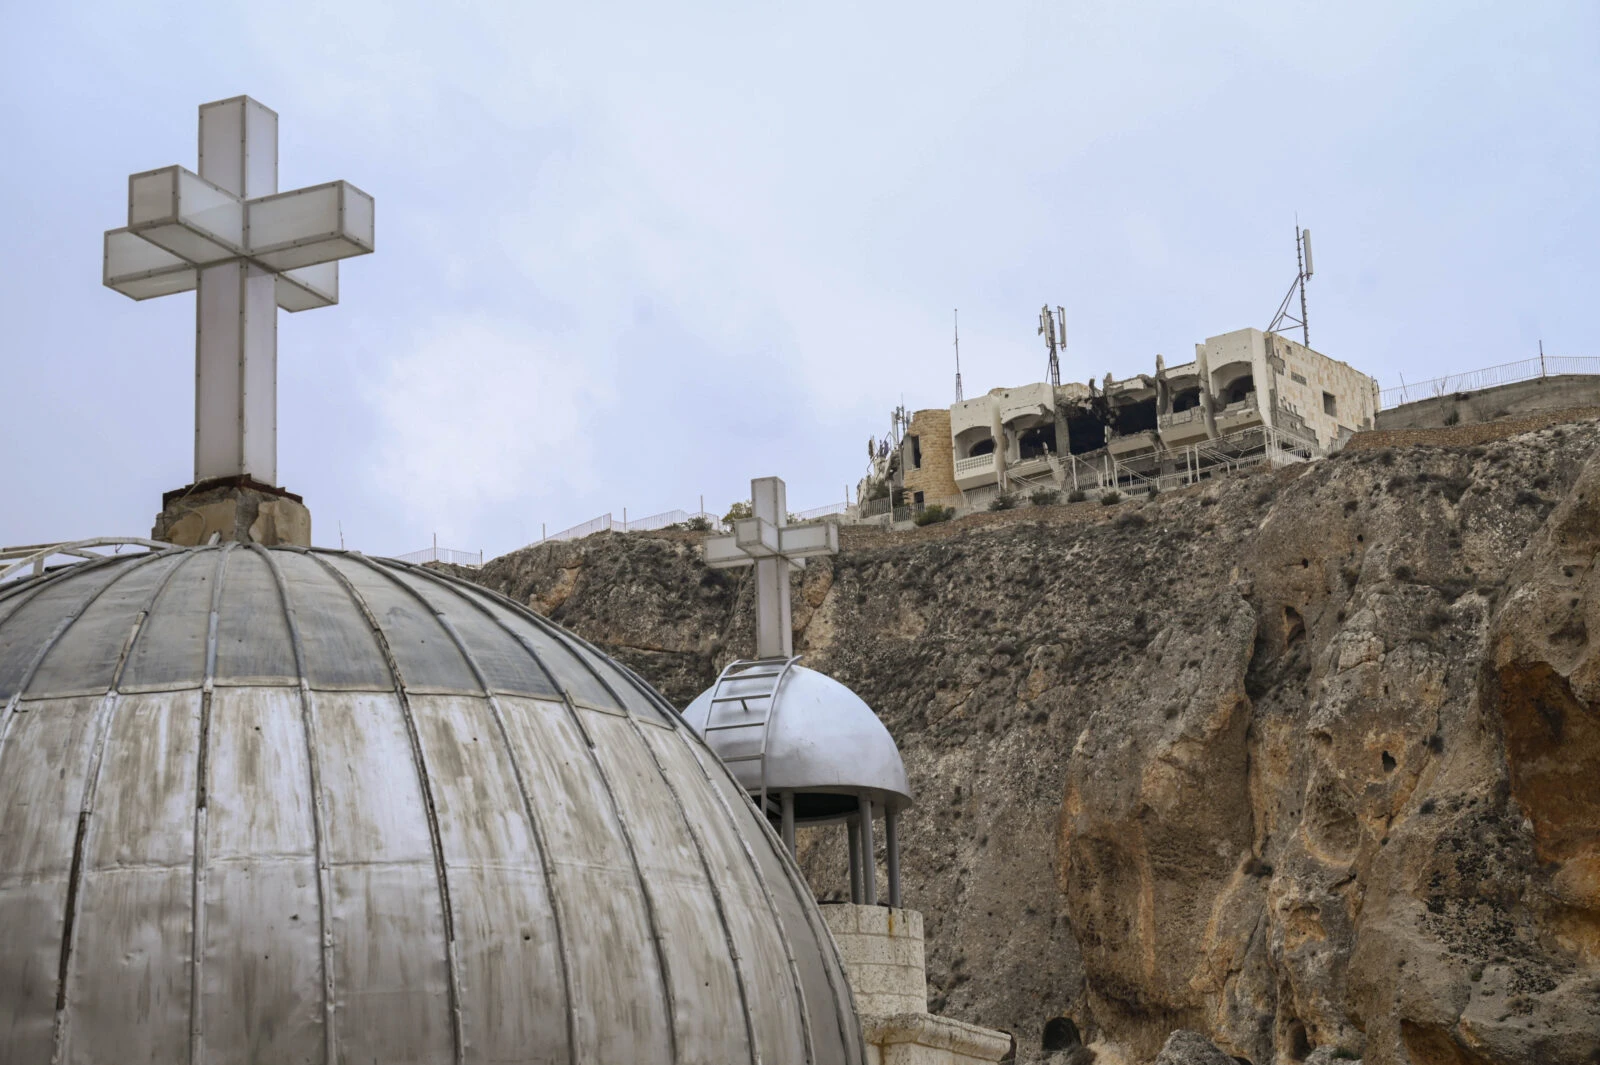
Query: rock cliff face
x=1300 y=759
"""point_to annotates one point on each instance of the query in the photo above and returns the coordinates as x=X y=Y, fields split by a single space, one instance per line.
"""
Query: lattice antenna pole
x=1302 y=272
x=959 y=396
x=1047 y=328
x=1061 y=346
x=1302 y=262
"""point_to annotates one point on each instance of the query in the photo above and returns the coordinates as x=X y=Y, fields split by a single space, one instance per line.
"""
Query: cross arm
x=141 y=270
x=757 y=538
x=181 y=212
x=178 y=221
x=310 y=226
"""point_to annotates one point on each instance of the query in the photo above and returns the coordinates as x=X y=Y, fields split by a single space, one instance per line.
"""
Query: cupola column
x=869 y=857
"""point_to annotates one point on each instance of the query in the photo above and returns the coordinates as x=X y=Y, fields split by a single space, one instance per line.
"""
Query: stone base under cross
x=885 y=964
x=234 y=509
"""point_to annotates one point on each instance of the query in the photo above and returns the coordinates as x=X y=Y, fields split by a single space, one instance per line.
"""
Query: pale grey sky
x=630 y=254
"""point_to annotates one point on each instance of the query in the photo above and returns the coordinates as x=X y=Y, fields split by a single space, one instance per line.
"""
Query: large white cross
x=772 y=545
x=248 y=249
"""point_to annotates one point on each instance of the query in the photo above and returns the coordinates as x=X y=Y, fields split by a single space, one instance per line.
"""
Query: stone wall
x=883 y=949
x=1489 y=404
x=935 y=478
x=883 y=959
x=1353 y=391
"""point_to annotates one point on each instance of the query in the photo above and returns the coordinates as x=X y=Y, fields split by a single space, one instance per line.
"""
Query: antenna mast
x=1302 y=274
x=959 y=396
x=1053 y=327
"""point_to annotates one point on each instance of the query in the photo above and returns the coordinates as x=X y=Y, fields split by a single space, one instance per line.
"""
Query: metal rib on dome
x=304 y=805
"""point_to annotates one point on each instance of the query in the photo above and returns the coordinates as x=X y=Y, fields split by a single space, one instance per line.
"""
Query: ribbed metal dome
x=278 y=805
x=822 y=742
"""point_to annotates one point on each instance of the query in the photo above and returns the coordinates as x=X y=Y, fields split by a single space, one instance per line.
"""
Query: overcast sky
x=632 y=255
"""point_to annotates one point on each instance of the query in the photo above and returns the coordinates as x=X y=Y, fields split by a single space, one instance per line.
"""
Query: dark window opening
x=1187 y=399
x=1085 y=432
x=982 y=447
x=1238 y=388
x=916 y=452
x=1036 y=441
x=1137 y=417
x=1330 y=405
x=916 y=501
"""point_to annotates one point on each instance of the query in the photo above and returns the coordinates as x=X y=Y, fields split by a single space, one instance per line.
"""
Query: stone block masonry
x=929 y=460
x=884 y=960
x=883 y=955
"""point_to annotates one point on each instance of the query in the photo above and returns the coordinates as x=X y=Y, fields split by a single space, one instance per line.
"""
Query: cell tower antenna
x=1302 y=274
x=959 y=396
x=1053 y=327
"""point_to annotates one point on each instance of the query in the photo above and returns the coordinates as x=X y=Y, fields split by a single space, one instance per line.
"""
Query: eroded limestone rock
x=1303 y=761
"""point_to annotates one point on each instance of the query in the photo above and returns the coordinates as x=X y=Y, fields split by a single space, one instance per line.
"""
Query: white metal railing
x=443 y=554
x=821 y=512
x=1504 y=374
x=1177 y=467
x=607 y=523
x=974 y=464
x=661 y=521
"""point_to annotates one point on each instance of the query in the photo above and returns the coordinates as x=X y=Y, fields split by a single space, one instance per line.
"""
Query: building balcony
x=1037 y=466
x=1120 y=447
x=1184 y=427
x=975 y=472
x=1242 y=414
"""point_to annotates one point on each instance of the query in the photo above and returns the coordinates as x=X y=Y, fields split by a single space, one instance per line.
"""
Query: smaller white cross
x=247 y=249
x=768 y=542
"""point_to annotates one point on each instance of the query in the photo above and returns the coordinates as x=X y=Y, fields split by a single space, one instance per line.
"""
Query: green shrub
x=1044 y=497
x=1108 y=498
x=1453 y=417
x=738 y=511
x=1003 y=501
x=1076 y=496
x=933 y=513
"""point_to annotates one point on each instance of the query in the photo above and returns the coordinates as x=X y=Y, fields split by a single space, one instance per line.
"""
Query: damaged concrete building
x=1247 y=397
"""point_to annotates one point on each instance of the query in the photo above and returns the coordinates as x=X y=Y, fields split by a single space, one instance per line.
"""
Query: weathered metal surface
x=301 y=806
x=820 y=738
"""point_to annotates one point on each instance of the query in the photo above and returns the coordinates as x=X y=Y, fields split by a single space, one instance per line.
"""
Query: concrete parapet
x=926 y=1039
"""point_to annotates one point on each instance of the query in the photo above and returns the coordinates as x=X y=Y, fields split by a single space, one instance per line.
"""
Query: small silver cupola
x=808 y=749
